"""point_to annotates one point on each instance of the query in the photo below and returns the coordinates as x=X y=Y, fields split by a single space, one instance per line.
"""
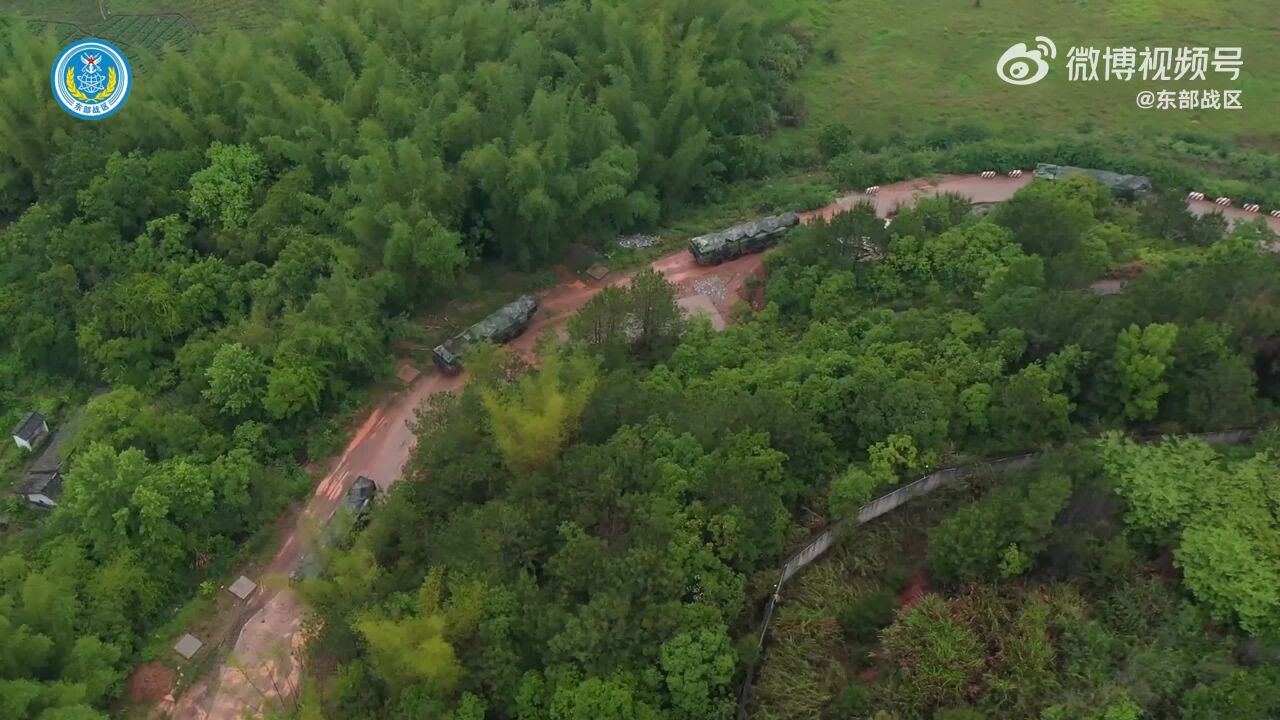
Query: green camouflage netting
x=1119 y=183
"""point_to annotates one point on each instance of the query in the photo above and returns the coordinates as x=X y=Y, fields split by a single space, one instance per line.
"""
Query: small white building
x=42 y=484
x=33 y=429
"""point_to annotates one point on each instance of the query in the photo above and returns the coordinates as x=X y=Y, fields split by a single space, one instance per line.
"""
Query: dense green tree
x=1142 y=357
x=975 y=543
x=236 y=379
x=1049 y=219
x=697 y=668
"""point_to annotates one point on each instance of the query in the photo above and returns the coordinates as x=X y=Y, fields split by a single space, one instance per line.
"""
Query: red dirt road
x=263 y=666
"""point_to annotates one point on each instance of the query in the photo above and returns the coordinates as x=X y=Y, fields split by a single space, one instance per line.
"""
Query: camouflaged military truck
x=1129 y=187
x=749 y=237
x=503 y=325
x=356 y=504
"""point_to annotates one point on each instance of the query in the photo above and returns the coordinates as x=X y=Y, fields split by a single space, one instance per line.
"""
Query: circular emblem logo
x=91 y=79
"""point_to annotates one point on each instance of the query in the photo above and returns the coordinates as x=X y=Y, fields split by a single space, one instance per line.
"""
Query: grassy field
x=204 y=15
x=885 y=65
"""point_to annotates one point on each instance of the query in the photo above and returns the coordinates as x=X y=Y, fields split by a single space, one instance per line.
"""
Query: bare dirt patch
x=150 y=683
x=915 y=591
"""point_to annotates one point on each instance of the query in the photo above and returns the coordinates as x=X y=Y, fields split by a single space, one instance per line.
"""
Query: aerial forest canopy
x=230 y=255
x=225 y=264
x=364 y=149
x=603 y=558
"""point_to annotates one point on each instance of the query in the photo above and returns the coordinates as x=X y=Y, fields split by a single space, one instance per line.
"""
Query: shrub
x=795 y=197
x=792 y=108
x=862 y=619
x=856 y=170
x=938 y=657
x=852 y=702
x=835 y=139
x=956 y=135
x=958 y=713
x=747 y=156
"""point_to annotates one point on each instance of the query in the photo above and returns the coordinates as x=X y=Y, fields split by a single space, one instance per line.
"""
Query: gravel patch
x=636 y=242
x=713 y=288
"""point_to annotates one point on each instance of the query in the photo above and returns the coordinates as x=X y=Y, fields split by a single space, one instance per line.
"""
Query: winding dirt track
x=264 y=665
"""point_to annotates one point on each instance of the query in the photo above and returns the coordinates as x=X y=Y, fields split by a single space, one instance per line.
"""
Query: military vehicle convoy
x=1129 y=187
x=356 y=504
x=503 y=325
x=748 y=237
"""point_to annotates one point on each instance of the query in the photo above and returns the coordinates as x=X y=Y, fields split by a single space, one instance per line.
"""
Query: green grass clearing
x=882 y=66
x=205 y=15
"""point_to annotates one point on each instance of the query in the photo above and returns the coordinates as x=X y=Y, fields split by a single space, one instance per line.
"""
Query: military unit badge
x=91 y=79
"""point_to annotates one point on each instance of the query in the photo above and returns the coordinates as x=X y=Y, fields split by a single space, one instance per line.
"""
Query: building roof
x=48 y=484
x=29 y=426
x=44 y=477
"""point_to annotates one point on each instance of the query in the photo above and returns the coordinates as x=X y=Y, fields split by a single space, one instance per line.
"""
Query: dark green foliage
x=854 y=702
x=1244 y=694
x=795 y=197
x=862 y=619
x=835 y=139
x=983 y=540
x=235 y=252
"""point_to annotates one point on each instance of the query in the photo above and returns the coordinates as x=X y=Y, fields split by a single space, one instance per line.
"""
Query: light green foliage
x=945 y=68
x=236 y=379
x=223 y=191
x=532 y=419
x=419 y=648
x=47 y=668
x=294 y=385
x=1161 y=482
x=851 y=490
x=1027 y=664
x=896 y=457
x=697 y=668
x=1234 y=570
x=1219 y=515
x=1142 y=356
x=594 y=699
x=1013 y=562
